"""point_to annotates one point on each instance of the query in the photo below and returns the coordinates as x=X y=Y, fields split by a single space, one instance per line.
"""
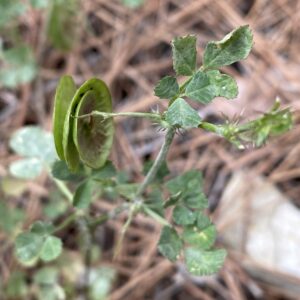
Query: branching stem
x=161 y=157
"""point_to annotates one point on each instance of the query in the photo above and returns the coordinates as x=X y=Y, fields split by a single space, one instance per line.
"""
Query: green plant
x=83 y=132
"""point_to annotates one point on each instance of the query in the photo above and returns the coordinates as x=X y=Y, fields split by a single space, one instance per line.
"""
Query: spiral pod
x=88 y=139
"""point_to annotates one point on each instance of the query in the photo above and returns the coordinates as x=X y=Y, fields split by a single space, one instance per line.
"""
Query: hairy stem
x=161 y=157
x=64 y=190
x=153 y=116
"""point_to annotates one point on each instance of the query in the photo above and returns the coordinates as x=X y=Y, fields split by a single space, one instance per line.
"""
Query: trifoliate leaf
x=184 y=55
x=18 y=67
x=167 y=88
x=28 y=246
x=203 y=239
x=170 y=244
x=204 y=263
x=183 y=216
x=33 y=141
x=188 y=187
x=233 y=47
x=200 y=88
x=27 y=168
x=51 y=249
x=83 y=194
x=182 y=115
x=225 y=85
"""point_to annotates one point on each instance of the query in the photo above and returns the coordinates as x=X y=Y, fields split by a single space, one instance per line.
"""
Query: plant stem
x=66 y=222
x=107 y=216
x=64 y=190
x=153 y=116
x=161 y=157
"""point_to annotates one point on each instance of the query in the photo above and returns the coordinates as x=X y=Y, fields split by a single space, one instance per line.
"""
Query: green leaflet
x=182 y=114
x=167 y=88
x=33 y=141
x=200 y=88
x=183 y=216
x=170 y=244
x=27 y=168
x=224 y=84
x=203 y=239
x=233 y=47
x=19 y=65
x=64 y=93
x=204 y=263
x=184 y=55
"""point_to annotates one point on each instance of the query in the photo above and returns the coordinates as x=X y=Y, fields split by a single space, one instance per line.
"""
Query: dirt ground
x=130 y=50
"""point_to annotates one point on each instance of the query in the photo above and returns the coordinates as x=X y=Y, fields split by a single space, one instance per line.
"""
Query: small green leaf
x=203 y=221
x=46 y=276
x=39 y=3
x=11 y=218
x=233 y=47
x=106 y=172
x=28 y=246
x=183 y=115
x=27 y=168
x=183 y=216
x=83 y=194
x=100 y=282
x=33 y=141
x=167 y=88
x=133 y=3
x=51 y=249
x=18 y=66
x=10 y=10
x=200 y=88
x=225 y=85
x=184 y=55
x=204 y=263
x=41 y=228
x=155 y=202
x=127 y=190
x=203 y=239
x=61 y=171
x=170 y=244
x=189 y=188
